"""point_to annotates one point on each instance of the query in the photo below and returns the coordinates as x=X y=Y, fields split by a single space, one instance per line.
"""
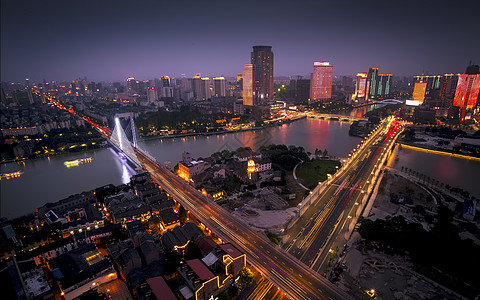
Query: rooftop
x=200 y=269
x=230 y=250
x=160 y=288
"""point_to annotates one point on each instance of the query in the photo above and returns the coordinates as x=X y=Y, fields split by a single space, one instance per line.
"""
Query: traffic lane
x=343 y=203
x=293 y=266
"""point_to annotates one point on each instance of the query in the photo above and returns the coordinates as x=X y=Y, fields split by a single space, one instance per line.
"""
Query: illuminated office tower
x=360 y=86
x=248 y=85
x=468 y=87
x=219 y=86
x=419 y=90
x=262 y=61
x=321 y=81
x=384 y=82
x=372 y=83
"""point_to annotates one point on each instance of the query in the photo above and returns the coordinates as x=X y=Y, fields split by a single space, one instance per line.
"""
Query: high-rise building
x=360 y=87
x=152 y=94
x=197 y=83
x=219 y=86
x=205 y=89
x=248 y=85
x=384 y=82
x=419 y=90
x=166 y=81
x=262 y=61
x=447 y=90
x=468 y=87
x=321 y=81
x=372 y=83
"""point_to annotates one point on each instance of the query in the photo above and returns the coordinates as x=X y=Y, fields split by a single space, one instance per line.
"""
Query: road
x=332 y=211
x=293 y=277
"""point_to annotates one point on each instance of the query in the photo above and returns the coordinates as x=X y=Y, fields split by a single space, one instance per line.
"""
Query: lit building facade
x=419 y=92
x=360 y=86
x=262 y=62
x=321 y=81
x=372 y=83
x=384 y=83
x=248 y=85
x=466 y=95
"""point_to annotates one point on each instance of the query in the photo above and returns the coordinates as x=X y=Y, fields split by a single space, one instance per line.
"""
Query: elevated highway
x=289 y=274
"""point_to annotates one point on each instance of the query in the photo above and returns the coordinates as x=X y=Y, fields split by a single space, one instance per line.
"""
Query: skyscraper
x=248 y=85
x=197 y=83
x=205 y=89
x=219 y=86
x=372 y=83
x=152 y=94
x=468 y=87
x=384 y=82
x=360 y=87
x=321 y=81
x=262 y=61
x=419 y=90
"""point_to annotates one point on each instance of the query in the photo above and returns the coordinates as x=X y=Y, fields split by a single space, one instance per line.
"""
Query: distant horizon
x=279 y=77
x=113 y=39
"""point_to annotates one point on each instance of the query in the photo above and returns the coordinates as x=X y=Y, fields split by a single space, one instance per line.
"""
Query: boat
x=11 y=175
x=76 y=162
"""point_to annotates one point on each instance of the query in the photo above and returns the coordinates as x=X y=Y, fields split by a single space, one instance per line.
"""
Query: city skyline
x=111 y=41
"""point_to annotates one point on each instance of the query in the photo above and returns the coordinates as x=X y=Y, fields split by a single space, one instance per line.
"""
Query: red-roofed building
x=200 y=269
x=160 y=288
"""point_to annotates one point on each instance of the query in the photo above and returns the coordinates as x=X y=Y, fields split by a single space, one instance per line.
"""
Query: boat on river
x=11 y=175
x=77 y=162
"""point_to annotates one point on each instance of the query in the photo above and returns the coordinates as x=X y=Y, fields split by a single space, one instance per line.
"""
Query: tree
x=246 y=277
x=182 y=214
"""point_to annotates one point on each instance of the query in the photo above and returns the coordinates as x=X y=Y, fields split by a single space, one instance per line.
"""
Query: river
x=48 y=180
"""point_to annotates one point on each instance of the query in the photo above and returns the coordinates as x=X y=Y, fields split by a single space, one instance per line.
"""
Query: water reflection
x=454 y=171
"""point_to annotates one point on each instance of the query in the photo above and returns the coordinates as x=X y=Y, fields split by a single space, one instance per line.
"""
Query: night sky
x=110 y=40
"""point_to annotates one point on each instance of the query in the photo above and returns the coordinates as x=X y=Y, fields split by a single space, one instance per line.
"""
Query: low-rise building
x=169 y=219
x=180 y=236
x=81 y=269
x=125 y=256
x=126 y=207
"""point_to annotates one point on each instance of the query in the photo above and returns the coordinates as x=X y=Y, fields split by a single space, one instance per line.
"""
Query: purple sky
x=112 y=39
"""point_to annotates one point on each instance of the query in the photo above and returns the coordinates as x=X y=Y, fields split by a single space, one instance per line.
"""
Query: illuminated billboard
x=419 y=92
x=468 y=87
x=412 y=102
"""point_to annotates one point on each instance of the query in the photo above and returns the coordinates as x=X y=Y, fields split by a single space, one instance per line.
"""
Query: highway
x=332 y=211
x=292 y=276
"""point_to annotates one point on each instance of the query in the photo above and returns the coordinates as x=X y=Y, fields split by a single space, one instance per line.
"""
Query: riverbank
x=172 y=136
x=55 y=154
x=437 y=151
